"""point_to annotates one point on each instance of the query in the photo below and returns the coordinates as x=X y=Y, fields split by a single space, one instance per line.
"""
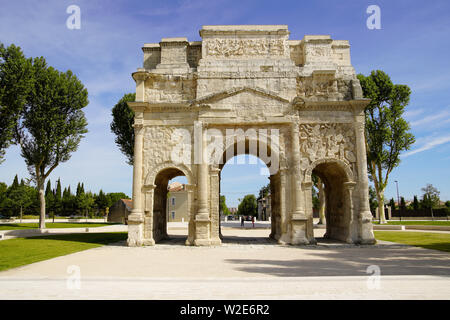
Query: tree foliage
x=15 y=84
x=430 y=197
x=122 y=126
x=22 y=196
x=248 y=206
x=415 y=203
x=264 y=191
x=373 y=203
x=52 y=123
x=223 y=206
x=387 y=133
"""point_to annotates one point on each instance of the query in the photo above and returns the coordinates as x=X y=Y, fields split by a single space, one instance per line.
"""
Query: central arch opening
x=251 y=194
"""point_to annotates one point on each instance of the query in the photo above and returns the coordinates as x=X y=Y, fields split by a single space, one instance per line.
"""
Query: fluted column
x=203 y=211
x=299 y=223
x=349 y=186
x=299 y=209
x=202 y=220
x=365 y=216
x=136 y=219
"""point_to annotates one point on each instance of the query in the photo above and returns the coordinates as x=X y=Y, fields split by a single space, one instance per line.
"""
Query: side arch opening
x=337 y=199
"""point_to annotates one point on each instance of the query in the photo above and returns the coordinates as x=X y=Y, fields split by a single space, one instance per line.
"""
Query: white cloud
x=428 y=145
x=437 y=119
x=413 y=113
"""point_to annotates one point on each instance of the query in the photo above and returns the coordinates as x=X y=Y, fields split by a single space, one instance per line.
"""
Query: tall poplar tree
x=52 y=123
x=387 y=133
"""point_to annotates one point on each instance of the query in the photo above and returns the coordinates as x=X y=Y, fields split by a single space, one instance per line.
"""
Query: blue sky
x=412 y=47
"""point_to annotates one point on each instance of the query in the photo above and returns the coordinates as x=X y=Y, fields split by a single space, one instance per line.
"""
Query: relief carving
x=324 y=88
x=328 y=140
x=245 y=47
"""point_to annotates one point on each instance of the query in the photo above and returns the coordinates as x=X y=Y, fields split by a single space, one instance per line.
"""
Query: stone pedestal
x=202 y=231
x=299 y=230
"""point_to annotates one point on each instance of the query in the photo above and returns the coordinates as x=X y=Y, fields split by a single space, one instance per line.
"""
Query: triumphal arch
x=249 y=89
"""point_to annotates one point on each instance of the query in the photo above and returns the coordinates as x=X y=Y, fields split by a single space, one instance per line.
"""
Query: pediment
x=242 y=96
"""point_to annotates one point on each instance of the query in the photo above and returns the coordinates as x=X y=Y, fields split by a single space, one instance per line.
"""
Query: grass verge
x=20 y=226
x=21 y=251
x=417 y=223
x=428 y=240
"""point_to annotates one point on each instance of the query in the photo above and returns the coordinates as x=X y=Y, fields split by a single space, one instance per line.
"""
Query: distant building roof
x=176 y=186
x=128 y=203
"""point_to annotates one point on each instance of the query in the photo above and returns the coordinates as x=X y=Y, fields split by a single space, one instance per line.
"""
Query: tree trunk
x=381 y=214
x=42 y=201
x=21 y=214
x=321 y=202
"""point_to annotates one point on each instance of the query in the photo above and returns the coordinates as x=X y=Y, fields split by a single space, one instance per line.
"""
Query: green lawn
x=428 y=240
x=17 y=226
x=22 y=251
x=418 y=223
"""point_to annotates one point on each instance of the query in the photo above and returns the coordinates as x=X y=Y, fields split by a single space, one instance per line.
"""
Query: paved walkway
x=23 y=233
x=246 y=266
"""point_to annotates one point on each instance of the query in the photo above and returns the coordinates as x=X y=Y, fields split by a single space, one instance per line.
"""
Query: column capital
x=350 y=185
x=307 y=185
x=148 y=187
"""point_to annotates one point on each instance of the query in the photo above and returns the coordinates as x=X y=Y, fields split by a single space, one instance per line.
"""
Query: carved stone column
x=351 y=223
x=365 y=216
x=307 y=192
x=190 y=188
x=279 y=227
x=215 y=200
x=202 y=219
x=136 y=218
x=298 y=217
x=149 y=191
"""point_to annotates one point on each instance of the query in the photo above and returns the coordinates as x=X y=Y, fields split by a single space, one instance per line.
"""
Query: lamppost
x=398 y=201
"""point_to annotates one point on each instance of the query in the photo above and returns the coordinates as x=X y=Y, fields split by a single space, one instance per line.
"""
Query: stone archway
x=339 y=210
x=155 y=200
x=263 y=148
x=251 y=78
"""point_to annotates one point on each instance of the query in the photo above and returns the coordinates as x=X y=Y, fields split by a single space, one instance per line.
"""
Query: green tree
x=50 y=200
x=57 y=201
x=15 y=84
x=447 y=204
x=15 y=183
x=248 y=206
x=392 y=204
x=68 y=202
x=402 y=204
x=102 y=201
x=116 y=196
x=430 y=197
x=373 y=203
x=387 y=133
x=85 y=202
x=18 y=198
x=264 y=191
x=52 y=123
x=223 y=206
x=415 y=203
x=3 y=190
x=122 y=126
x=79 y=201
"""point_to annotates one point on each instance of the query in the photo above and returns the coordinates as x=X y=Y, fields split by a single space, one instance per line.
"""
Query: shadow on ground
x=350 y=261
